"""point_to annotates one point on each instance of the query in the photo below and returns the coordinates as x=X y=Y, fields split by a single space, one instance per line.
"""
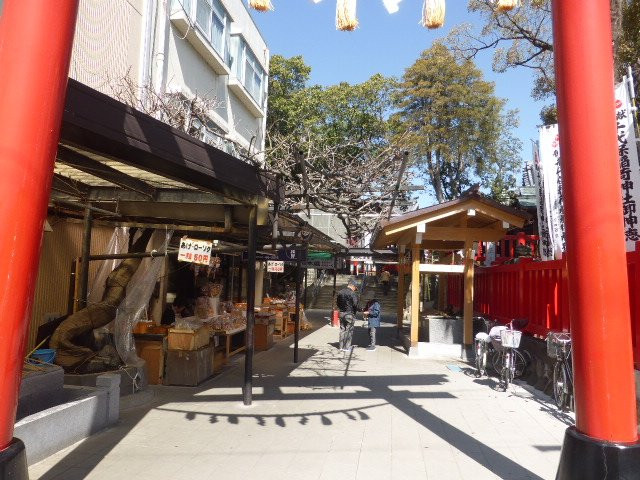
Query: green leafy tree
x=522 y=38
x=331 y=146
x=455 y=126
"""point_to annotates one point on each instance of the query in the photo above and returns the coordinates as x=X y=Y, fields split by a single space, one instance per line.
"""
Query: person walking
x=372 y=311
x=385 y=277
x=347 y=302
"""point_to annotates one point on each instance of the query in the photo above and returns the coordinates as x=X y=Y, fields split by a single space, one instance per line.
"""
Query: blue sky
x=385 y=44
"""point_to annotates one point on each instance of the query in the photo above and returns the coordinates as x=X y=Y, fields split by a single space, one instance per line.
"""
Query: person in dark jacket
x=372 y=311
x=347 y=302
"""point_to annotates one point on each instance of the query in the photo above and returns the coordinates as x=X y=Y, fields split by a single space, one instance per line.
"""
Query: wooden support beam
x=98 y=169
x=441 y=268
x=468 y=294
x=462 y=234
x=415 y=294
x=414 y=224
x=228 y=219
x=400 y=313
x=69 y=186
x=497 y=213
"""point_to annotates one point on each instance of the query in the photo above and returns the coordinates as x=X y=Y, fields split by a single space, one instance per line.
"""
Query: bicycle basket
x=556 y=341
x=510 y=338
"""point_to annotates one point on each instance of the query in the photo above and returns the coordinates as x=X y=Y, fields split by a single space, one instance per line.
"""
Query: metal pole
x=231 y=274
x=35 y=47
x=251 y=298
x=306 y=272
x=296 y=330
x=239 y=297
x=84 y=265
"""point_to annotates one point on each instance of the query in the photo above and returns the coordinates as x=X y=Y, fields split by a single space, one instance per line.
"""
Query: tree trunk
x=69 y=355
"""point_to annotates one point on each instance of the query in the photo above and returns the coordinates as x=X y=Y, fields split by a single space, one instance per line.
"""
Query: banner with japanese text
x=551 y=179
x=546 y=248
x=629 y=165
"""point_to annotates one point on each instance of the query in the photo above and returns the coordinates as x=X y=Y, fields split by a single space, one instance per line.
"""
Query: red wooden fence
x=537 y=291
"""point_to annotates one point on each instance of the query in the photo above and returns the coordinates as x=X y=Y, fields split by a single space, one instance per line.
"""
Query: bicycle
x=502 y=344
x=559 y=348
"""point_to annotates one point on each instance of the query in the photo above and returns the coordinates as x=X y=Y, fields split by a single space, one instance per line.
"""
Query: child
x=372 y=310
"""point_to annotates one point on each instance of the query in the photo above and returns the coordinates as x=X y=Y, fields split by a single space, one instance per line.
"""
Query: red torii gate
x=35 y=49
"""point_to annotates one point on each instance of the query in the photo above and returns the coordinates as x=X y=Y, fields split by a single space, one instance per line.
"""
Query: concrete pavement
x=359 y=415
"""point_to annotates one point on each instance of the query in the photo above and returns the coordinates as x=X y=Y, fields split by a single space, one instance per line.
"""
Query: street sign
x=275 y=266
x=195 y=251
x=292 y=254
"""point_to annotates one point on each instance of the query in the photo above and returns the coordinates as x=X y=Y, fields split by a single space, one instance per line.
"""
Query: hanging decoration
x=261 y=5
x=433 y=13
x=346 y=15
x=392 y=6
x=506 y=5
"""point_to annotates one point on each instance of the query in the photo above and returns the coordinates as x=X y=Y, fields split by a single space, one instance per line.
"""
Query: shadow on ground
x=272 y=374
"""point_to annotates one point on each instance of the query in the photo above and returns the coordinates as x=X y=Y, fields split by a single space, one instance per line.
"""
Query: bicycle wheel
x=520 y=363
x=497 y=361
x=507 y=372
x=559 y=386
x=481 y=358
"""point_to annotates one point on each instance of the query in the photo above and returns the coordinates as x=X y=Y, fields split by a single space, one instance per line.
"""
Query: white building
x=183 y=48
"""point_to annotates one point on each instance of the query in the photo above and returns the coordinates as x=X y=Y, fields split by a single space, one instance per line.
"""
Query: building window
x=212 y=20
x=246 y=68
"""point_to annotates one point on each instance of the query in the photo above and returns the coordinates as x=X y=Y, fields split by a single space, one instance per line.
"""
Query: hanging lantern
x=433 y=13
x=346 y=15
x=261 y=5
x=506 y=5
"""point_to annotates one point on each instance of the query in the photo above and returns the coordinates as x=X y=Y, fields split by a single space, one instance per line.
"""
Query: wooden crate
x=153 y=355
x=188 y=339
x=219 y=359
x=263 y=336
x=189 y=367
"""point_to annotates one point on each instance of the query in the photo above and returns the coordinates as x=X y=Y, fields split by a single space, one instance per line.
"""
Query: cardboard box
x=188 y=339
x=189 y=367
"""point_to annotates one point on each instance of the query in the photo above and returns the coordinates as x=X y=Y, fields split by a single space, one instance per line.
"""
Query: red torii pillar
x=35 y=49
x=604 y=442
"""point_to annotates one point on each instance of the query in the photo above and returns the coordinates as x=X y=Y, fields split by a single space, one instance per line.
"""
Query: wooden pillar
x=296 y=330
x=84 y=264
x=247 y=389
x=468 y=293
x=400 y=286
x=415 y=293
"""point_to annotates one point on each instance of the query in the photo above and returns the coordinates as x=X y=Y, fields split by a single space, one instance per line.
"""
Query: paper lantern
x=433 y=13
x=261 y=5
x=346 y=15
x=506 y=5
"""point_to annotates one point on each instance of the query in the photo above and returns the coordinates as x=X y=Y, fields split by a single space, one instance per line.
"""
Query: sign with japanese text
x=549 y=179
x=195 y=251
x=275 y=266
x=549 y=158
x=546 y=248
x=629 y=165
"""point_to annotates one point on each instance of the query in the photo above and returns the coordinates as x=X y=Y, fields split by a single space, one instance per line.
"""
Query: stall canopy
x=123 y=161
x=453 y=225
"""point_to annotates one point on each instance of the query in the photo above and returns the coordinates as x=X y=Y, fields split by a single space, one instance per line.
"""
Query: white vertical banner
x=629 y=165
x=549 y=158
x=545 y=246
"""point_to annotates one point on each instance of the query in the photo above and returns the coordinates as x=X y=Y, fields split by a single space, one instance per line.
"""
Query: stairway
x=388 y=303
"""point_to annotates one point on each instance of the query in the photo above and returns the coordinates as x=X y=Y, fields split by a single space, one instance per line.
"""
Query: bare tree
x=355 y=181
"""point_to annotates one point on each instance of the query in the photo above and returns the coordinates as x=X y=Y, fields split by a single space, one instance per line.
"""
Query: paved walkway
x=359 y=415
